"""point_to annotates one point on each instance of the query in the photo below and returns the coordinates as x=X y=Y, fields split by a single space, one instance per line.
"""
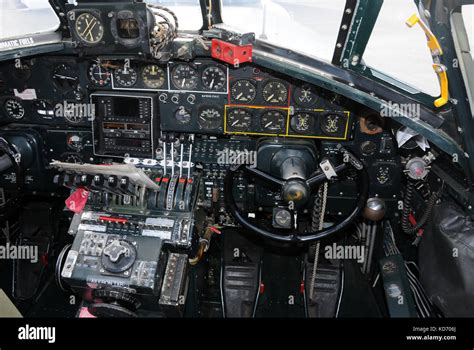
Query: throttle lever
x=348 y=157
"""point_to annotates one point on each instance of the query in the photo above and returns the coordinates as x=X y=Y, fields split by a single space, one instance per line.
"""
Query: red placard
x=77 y=200
x=231 y=53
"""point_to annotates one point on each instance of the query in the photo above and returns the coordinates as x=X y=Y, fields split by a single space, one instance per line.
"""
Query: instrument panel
x=203 y=96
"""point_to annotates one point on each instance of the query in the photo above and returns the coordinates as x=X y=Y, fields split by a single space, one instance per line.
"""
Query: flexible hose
x=406 y=226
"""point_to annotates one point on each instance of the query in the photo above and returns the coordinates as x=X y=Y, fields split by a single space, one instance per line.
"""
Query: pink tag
x=84 y=313
x=77 y=200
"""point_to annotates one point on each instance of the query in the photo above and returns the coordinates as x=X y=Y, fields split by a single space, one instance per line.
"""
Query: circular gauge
x=302 y=123
x=209 y=118
x=243 y=91
x=14 y=109
x=43 y=109
x=99 y=75
x=65 y=77
x=75 y=142
x=23 y=72
x=125 y=76
x=214 y=78
x=153 y=76
x=283 y=218
x=275 y=92
x=89 y=28
x=239 y=119
x=332 y=124
x=184 y=77
x=72 y=112
x=182 y=116
x=368 y=148
x=273 y=121
x=305 y=96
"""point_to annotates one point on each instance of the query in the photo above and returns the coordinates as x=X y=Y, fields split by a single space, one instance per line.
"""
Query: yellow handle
x=443 y=81
x=433 y=43
x=436 y=51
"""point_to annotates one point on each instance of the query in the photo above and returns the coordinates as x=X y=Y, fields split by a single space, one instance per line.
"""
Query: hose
x=406 y=226
x=204 y=242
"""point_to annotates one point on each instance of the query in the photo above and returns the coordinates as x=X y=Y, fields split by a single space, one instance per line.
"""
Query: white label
x=160 y=222
x=96 y=228
x=157 y=233
x=27 y=94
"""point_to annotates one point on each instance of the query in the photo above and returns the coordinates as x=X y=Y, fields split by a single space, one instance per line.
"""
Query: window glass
x=399 y=51
x=22 y=17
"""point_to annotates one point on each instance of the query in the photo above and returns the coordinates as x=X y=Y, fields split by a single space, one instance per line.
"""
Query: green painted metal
x=360 y=31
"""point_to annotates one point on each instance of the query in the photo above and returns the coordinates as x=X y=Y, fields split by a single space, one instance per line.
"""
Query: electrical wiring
x=165 y=29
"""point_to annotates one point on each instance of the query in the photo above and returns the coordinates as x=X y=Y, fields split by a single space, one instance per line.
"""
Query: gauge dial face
x=182 y=116
x=65 y=77
x=243 y=91
x=125 y=76
x=75 y=142
x=214 y=78
x=89 y=28
x=305 y=96
x=273 y=121
x=14 y=109
x=184 y=77
x=73 y=112
x=153 y=76
x=332 y=124
x=99 y=75
x=210 y=118
x=239 y=119
x=22 y=72
x=43 y=109
x=302 y=123
x=283 y=218
x=128 y=28
x=275 y=92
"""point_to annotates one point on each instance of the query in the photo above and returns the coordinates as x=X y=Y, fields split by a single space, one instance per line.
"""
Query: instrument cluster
x=256 y=103
x=202 y=96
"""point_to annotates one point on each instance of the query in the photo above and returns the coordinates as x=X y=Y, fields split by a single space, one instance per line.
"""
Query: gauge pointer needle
x=235 y=123
x=239 y=96
x=87 y=27
x=182 y=84
x=64 y=77
x=271 y=97
x=212 y=83
x=268 y=124
x=89 y=32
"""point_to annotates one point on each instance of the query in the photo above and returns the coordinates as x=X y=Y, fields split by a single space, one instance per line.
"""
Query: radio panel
x=123 y=125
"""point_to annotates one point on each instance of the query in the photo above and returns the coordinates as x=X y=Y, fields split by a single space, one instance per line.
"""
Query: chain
x=317 y=224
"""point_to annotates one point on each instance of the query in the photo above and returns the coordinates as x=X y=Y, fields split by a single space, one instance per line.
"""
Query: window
x=468 y=19
x=22 y=17
x=308 y=26
x=188 y=12
x=399 y=51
